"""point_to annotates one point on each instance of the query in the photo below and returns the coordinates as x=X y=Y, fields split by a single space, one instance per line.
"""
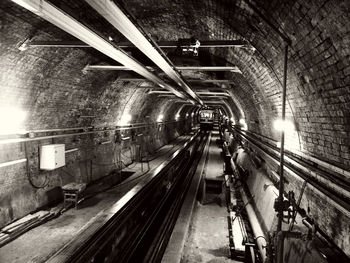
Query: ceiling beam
x=127 y=44
x=227 y=81
x=212 y=81
x=200 y=93
x=195 y=68
x=214 y=102
x=114 y=15
x=60 y=19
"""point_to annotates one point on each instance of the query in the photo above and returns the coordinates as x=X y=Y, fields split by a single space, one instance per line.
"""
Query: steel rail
x=113 y=230
x=171 y=209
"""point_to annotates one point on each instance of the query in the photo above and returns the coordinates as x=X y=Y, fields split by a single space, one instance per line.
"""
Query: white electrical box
x=52 y=156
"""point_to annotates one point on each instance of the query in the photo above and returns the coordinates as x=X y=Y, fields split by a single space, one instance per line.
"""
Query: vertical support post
x=281 y=185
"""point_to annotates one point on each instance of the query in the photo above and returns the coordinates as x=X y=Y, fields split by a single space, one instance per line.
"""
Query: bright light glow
x=161 y=85
x=160 y=118
x=286 y=125
x=125 y=119
x=177 y=116
x=186 y=115
x=243 y=124
x=192 y=114
x=11 y=120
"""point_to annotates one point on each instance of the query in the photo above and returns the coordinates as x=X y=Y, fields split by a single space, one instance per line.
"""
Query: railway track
x=138 y=226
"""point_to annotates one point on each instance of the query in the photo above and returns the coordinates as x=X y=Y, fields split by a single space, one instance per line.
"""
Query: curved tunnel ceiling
x=318 y=66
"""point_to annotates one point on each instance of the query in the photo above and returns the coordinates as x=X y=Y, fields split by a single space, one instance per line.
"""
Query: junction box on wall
x=52 y=156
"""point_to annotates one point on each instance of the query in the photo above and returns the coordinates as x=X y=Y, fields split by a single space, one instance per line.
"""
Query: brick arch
x=318 y=71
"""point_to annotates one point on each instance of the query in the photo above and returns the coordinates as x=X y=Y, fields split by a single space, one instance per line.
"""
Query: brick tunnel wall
x=318 y=70
x=318 y=91
x=318 y=62
x=331 y=218
x=50 y=86
x=25 y=188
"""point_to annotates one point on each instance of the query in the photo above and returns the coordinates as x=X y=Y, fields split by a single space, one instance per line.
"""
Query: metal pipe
x=227 y=81
x=113 y=14
x=13 y=162
x=60 y=19
x=200 y=93
x=199 y=68
x=31 y=139
x=259 y=235
x=281 y=185
x=162 y=44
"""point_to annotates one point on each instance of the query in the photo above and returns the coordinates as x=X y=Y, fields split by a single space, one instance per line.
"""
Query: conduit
x=113 y=14
x=62 y=20
x=195 y=68
x=259 y=235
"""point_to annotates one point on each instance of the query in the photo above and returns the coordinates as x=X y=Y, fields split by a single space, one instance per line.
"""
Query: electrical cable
x=28 y=172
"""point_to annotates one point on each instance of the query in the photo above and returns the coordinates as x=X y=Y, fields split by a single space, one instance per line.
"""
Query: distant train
x=206 y=119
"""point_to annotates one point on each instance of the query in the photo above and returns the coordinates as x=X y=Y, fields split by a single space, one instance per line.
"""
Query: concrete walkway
x=40 y=243
x=208 y=234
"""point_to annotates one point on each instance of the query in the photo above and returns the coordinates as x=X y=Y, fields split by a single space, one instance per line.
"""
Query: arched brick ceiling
x=318 y=92
x=318 y=62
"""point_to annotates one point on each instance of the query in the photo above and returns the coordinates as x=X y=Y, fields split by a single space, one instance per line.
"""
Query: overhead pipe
x=62 y=20
x=113 y=14
x=161 y=44
x=226 y=81
x=203 y=93
x=199 y=68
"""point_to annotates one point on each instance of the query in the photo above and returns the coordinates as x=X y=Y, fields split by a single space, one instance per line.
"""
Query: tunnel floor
x=40 y=243
x=207 y=240
x=201 y=231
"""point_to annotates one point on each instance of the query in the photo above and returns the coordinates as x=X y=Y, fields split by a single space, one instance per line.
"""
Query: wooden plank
x=18 y=222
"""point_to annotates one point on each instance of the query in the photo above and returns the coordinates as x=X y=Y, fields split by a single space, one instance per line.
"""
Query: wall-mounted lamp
x=11 y=120
x=284 y=125
x=160 y=118
x=125 y=119
x=243 y=123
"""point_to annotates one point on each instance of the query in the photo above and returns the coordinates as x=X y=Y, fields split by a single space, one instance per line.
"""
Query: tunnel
x=102 y=112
